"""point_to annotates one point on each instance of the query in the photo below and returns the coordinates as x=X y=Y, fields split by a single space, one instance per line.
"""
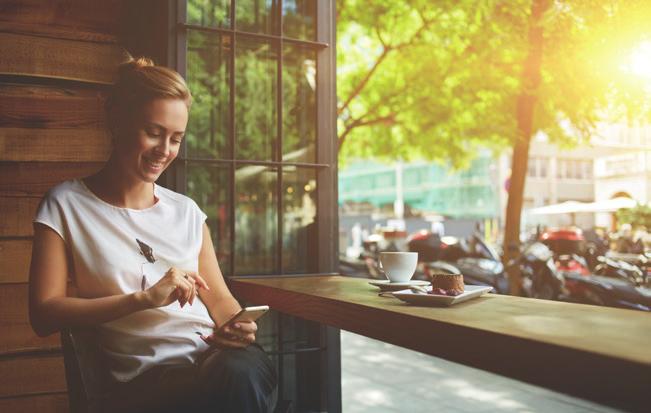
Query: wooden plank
x=45 y=107
x=35 y=178
x=69 y=19
x=15 y=256
x=16 y=334
x=55 y=145
x=46 y=403
x=59 y=58
x=32 y=375
x=16 y=217
x=597 y=353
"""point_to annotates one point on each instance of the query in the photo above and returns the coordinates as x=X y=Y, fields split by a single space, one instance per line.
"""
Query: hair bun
x=133 y=65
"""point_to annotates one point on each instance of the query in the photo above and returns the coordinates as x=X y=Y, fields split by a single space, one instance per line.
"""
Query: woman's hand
x=236 y=335
x=175 y=285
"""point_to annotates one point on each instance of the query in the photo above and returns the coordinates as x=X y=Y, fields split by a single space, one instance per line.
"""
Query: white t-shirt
x=119 y=251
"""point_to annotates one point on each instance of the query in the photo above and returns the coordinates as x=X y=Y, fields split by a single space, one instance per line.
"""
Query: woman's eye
x=154 y=134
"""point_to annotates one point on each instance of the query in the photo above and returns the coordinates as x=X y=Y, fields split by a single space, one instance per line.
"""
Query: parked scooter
x=607 y=291
x=540 y=277
x=472 y=257
x=641 y=261
x=366 y=265
x=622 y=270
x=572 y=255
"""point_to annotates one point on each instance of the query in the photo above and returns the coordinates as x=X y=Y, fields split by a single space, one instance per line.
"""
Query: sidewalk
x=379 y=377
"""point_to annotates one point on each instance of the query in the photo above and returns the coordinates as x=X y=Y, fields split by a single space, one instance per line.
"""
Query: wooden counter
x=598 y=353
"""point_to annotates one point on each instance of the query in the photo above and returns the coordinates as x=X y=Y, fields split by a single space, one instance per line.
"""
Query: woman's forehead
x=171 y=114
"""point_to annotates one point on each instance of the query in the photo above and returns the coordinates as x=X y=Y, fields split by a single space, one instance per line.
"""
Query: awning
x=573 y=207
x=568 y=207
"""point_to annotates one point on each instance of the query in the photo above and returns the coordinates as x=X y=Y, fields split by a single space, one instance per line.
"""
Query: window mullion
x=231 y=138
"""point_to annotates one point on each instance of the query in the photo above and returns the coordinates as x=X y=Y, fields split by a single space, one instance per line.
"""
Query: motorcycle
x=472 y=257
x=607 y=291
x=540 y=277
x=366 y=265
x=609 y=267
x=573 y=255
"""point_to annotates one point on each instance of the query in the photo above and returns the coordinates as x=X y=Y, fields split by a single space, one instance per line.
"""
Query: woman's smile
x=158 y=138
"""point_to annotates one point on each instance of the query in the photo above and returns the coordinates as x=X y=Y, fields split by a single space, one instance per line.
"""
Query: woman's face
x=154 y=140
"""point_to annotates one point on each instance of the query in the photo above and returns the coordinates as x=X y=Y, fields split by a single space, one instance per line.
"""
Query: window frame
x=145 y=38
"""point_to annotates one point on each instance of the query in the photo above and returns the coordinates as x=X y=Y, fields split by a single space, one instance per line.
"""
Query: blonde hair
x=139 y=81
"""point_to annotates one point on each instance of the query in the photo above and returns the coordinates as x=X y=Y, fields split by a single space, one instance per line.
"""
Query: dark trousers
x=226 y=380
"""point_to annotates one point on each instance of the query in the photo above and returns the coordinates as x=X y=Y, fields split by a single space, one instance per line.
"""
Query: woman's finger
x=189 y=282
x=184 y=288
x=239 y=335
x=246 y=326
x=188 y=289
x=220 y=341
x=201 y=283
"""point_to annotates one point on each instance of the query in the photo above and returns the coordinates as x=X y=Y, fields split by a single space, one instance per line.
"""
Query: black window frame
x=153 y=28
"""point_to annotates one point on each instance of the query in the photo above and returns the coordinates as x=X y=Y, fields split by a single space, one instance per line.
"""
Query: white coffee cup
x=398 y=266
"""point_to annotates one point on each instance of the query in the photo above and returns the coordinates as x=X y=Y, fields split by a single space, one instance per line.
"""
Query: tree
x=436 y=80
x=640 y=216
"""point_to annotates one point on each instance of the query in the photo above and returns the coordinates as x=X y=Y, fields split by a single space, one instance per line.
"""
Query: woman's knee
x=240 y=367
x=242 y=380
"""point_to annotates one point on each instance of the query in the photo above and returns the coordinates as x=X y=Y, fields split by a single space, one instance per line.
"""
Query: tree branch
x=364 y=81
x=391 y=118
x=386 y=48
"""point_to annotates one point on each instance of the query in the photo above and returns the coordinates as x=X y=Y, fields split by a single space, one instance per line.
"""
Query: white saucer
x=418 y=298
x=386 y=285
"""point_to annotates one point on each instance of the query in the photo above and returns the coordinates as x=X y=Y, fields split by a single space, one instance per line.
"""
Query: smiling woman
x=144 y=266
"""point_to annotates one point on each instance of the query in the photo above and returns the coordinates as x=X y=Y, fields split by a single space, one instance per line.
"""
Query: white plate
x=386 y=285
x=411 y=297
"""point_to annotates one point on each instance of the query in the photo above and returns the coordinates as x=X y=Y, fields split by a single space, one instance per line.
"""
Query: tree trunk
x=526 y=104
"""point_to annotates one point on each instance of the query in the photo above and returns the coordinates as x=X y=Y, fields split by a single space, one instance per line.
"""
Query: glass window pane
x=299 y=104
x=208 y=78
x=256 y=220
x=209 y=186
x=300 y=238
x=209 y=13
x=299 y=19
x=256 y=70
x=257 y=16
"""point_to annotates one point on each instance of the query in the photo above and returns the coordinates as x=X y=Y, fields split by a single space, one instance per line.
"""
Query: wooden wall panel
x=15 y=330
x=34 y=179
x=32 y=375
x=15 y=256
x=35 y=106
x=58 y=58
x=16 y=217
x=51 y=130
x=54 y=145
x=47 y=403
x=65 y=19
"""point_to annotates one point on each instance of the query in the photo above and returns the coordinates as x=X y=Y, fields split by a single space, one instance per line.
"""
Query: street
x=379 y=377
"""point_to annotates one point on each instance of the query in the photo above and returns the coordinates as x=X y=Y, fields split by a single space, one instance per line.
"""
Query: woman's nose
x=163 y=147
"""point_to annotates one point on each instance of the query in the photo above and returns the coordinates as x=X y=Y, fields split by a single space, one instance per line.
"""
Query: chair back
x=86 y=373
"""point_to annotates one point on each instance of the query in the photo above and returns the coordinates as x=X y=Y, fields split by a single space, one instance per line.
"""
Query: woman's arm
x=50 y=309
x=220 y=302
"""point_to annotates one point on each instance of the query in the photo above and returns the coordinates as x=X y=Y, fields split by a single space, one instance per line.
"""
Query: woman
x=140 y=255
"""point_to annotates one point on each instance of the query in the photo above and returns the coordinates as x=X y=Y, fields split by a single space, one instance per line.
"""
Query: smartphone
x=247 y=314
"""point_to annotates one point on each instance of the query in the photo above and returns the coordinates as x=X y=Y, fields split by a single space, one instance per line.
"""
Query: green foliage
x=437 y=80
x=640 y=216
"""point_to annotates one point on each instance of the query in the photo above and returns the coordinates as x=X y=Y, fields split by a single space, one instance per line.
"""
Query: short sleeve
x=50 y=213
x=202 y=215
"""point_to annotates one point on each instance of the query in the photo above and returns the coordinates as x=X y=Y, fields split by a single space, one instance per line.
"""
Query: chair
x=86 y=373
